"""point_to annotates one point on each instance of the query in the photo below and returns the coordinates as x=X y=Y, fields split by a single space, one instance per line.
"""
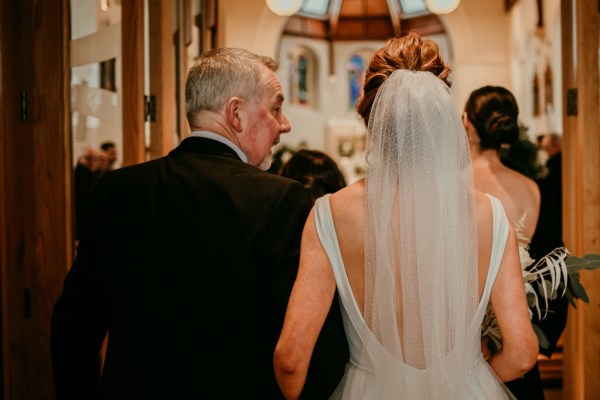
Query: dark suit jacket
x=83 y=185
x=188 y=265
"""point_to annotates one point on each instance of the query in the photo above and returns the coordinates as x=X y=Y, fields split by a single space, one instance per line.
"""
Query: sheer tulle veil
x=421 y=289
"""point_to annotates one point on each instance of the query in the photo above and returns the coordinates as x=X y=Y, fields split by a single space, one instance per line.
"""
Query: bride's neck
x=489 y=157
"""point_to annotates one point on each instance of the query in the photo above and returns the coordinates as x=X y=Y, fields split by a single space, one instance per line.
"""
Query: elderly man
x=193 y=257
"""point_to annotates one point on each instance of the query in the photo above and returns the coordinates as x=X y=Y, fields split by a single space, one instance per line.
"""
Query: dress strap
x=328 y=237
x=500 y=236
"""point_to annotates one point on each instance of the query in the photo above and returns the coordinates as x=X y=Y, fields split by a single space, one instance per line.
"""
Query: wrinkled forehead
x=272 y=87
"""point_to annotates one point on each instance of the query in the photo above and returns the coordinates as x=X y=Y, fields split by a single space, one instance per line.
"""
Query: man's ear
x=232 y=112
x=465 y=119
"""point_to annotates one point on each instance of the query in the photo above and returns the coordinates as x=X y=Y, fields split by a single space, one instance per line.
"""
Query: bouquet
x=555 y=274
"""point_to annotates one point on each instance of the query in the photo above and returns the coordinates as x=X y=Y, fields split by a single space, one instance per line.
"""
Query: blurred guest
x=86 y=174
x=317 y=171
x=110 y=149
x=551 y=144
x=551 y=188
x=548 y=236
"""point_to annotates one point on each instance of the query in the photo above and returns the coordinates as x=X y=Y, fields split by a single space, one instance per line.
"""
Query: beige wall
x=485 y=46
x=249 y=24
x=479 y=35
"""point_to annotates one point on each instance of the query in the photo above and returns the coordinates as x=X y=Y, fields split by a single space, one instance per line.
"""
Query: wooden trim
x=6 y=8
x=132 y=56
x=182 y=70
x=162 y=75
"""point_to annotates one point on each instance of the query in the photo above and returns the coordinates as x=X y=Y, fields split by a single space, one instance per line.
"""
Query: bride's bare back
x=348 y=211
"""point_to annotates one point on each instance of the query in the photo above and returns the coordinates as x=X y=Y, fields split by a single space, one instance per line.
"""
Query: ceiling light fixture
x=284 y=7
x=442 y=6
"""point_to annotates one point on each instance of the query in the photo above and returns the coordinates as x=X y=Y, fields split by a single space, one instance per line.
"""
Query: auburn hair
x=410 y=52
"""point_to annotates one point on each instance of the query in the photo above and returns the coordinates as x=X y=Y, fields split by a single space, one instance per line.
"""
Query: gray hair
x=219 y=74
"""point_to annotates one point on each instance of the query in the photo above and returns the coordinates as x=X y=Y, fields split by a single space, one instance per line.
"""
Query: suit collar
x=203 y=145
x=222 y=139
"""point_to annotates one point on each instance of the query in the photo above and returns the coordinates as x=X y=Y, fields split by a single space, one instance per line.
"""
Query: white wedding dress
x=375 y=373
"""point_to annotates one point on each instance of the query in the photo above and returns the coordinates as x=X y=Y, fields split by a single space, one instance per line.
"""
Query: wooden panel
x=162 y=75
x=352 y=8
x=35 y=189
x=571 y=373
x=425 y=25
x=373 y=28
x=362 y=8
x=302 y=26
x=581 y=191
x=589 y=210
x=132 y=43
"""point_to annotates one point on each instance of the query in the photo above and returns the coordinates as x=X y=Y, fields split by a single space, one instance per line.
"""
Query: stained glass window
x=301 y=76
x=410 y=7
x=316 y=7
x=356 y=76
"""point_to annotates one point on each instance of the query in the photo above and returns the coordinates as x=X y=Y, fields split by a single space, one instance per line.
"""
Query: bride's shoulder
x=481 y=198
x=483 y=206
x=349 y=200
x=351 y=193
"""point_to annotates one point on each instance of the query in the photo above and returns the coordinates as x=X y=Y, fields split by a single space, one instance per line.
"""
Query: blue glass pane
x=356 y=71
x=413 y=6
x=318 y=7
x=302 y=84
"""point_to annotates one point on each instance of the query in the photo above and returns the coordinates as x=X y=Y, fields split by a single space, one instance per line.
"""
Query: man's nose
x=285 y=125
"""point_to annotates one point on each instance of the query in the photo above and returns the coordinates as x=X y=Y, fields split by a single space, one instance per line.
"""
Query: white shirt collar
x=222 y=139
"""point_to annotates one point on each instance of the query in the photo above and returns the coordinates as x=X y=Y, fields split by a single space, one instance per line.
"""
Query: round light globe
x=284 y=7
x=442 y=6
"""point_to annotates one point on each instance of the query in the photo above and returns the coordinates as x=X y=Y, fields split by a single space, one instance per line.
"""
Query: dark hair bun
x=493 y=111
x=502 y=128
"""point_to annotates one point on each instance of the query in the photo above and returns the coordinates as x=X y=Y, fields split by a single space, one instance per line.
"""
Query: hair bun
x=503 y=128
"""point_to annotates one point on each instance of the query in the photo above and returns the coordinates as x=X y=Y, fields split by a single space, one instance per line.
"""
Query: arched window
x=356 y=74
x=301 y=72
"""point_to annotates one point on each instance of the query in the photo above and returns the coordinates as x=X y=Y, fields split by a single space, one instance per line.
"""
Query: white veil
x=421 y=286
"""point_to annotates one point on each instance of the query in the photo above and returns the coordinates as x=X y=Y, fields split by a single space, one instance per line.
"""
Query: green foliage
x=555 y=274
x=522 y=155
x=575 y=264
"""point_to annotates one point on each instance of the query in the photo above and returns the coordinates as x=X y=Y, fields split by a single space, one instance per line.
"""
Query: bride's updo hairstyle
x=409 y=52
x=493 y=111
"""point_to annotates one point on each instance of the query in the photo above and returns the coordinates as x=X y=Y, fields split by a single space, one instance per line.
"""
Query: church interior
x=75 y=74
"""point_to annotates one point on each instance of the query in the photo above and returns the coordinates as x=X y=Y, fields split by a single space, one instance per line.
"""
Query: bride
x=414 y=251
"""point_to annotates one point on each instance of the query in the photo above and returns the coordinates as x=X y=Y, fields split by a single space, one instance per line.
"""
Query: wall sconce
x=442 y=6
x=284 y=7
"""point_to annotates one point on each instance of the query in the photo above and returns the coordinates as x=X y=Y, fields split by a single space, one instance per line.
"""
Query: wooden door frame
x=36 y=176
x=35 y=188
x=581 y=188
